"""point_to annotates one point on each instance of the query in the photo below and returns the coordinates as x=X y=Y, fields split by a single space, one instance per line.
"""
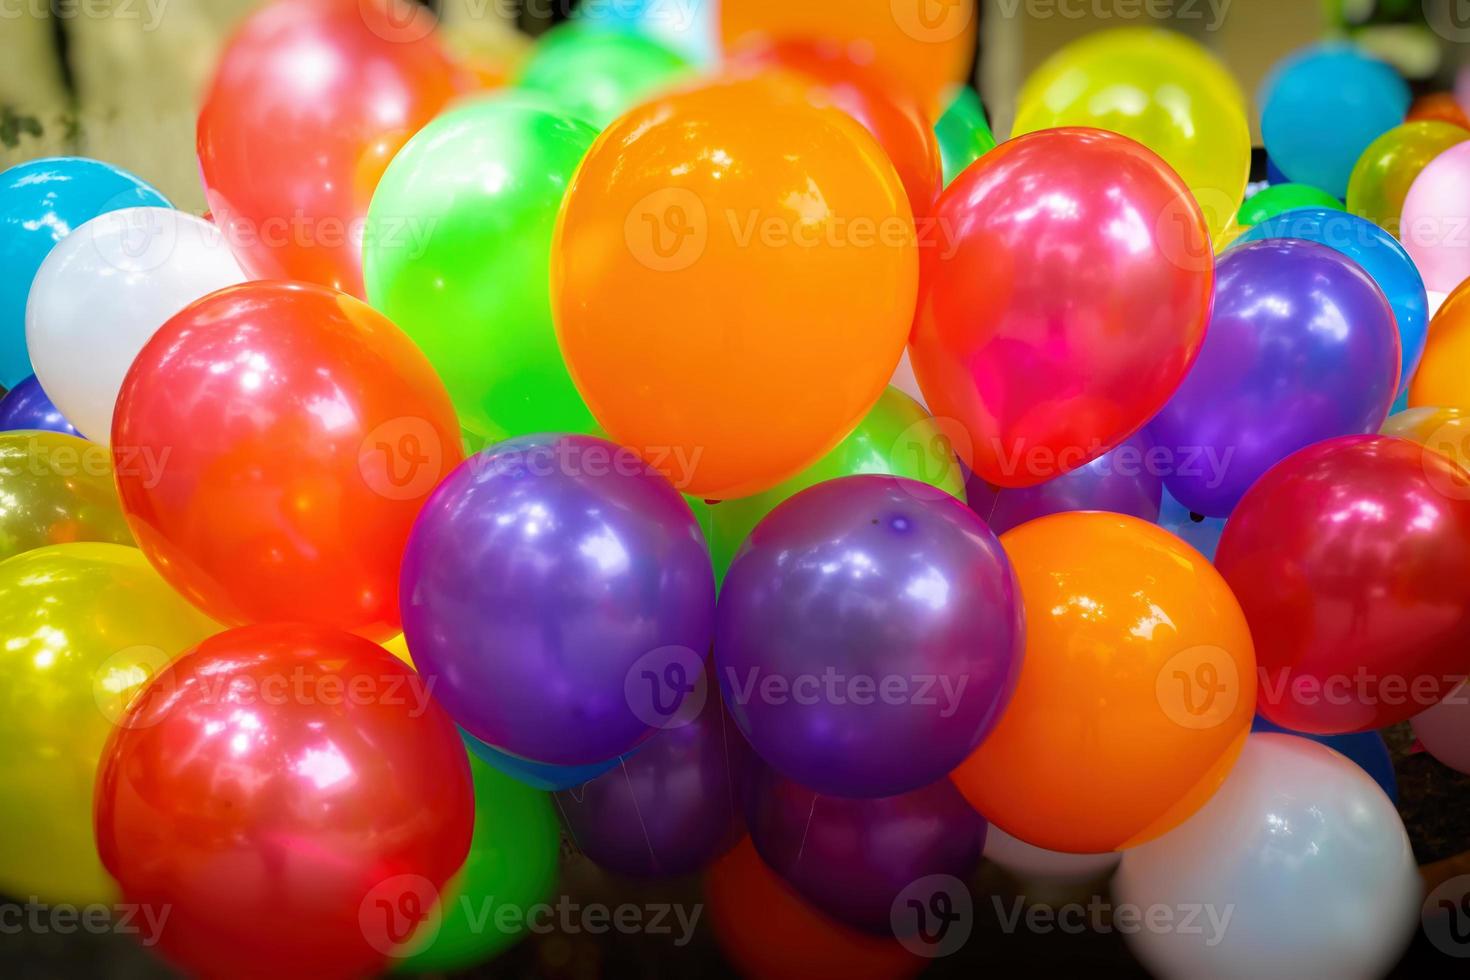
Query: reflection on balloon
x=596 y=75
x=1438 y=203
x=1277 y=198
x=57 y=489
x=1367 y=749
x=28 y=407
x=1444 y=730
x=963 y=132
x=1390 y=165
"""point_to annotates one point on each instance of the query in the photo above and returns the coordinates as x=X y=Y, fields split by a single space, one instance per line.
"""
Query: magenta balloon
x=869 y=635
x=545 y=580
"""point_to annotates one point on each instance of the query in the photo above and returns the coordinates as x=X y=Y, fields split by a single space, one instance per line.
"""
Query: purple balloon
x=557 y=593
x=1302 y=346
x=1125 y=480
x=869 y=635
x=26 y=406
x=853 y=858
x=671 y=808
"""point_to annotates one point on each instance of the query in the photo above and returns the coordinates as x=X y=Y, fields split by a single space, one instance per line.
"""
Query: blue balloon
x=1274 y=174
x=41 y=202
x=1380 y=255
x=1199 y=532
x=1322 y=106
x=26 y=406
x=538 y=775
x=1367 y=749
x=687 y=27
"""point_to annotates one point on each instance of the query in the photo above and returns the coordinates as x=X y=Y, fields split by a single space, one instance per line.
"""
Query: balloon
x=1302 y=347
x=1125 y=480
x=687 y=27
x=1300 y=865
x=924 y=50
x=1136 y=692
x=1157 y=87
x=537 y=775
x=1380 y=255
x=481 y=184
x=1366 y=749
x=1035 y=865
x=897 y=438
x=1277 y=198
x=1444 y=730
x=310 y=101
x=291 y=434
x=56 y=489
x=1196 y=530
x=1047 y=358
x=770 y=933
x=28 y=407
x=512 y=863
x=963 y=133
x=41 y=201
x=757 y=280
x=1351 y=559
x=896 y=122
x=1323 y=106
x=1436 y=214
x=1438 y=107
x=105 y=290
x=558 y=594
x=1389 y=166
x=85 y=626
x=868 y=636
x=595 y=75
x=669 y=809
x=1445 y=430
x=853 y=859
x=1443 y=378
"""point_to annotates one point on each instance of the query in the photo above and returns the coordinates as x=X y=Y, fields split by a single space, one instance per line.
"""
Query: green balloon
x=457 y=252
x=964 y=135
x=511 y=865
x=1279 y=198
x=598 y=75
x=896 y=437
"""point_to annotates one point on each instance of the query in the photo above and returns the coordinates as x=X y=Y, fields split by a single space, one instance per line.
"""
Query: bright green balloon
x=1278 y=198
x=964 y=134
x=598 y=75
x=457 y=252
x=896 y=437
x=511 y=866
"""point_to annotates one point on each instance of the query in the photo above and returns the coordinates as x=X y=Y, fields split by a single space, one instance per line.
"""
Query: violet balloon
x=671 y=808
x=545 y=578
x=869 y=634
x=1302 y=346
x=26 y=406
x=1124 y=480
x=852 y=858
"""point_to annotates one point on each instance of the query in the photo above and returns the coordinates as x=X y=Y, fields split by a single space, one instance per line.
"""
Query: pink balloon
x=1444 y=730
x=1436 y=220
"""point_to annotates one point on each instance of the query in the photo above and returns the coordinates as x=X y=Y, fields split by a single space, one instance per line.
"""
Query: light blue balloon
x=41 y=202
x=685 y=26
x=538 y=775
x=1200 y=533
x=1380 y=255
x=1322 y=106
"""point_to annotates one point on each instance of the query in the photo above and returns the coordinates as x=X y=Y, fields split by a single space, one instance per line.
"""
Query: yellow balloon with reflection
x=56 y=488
x=86 y=625
x=1445 y=430
x=1384 y=173
x=398 y=646
x=1161 y=89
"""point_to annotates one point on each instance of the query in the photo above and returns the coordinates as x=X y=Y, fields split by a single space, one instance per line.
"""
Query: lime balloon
x=1273 y=200
x=457 y=253
x=897 y=437
x=597 y=74
x=1384 y=173
x=964 y=133
x=56 y=489
x=486 y=907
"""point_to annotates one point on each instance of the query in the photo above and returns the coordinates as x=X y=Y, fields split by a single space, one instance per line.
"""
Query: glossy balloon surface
x=28 y=407
x=597 y=75
x=57 y=489
x=1443 y=378
x=1389 y=166
x=1277 y=198
x=963 y=132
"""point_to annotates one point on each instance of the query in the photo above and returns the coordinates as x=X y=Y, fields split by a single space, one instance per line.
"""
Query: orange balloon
x=1438 y=107
x=770 y=934
x=1136 y=694
x=1443 y=378
x=923 y=45
x=733 y=277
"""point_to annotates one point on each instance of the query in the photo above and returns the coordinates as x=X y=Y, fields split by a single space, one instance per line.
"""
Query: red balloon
x=1064 y=294
x=291 y=796
x=894 y=119
x=1351 y=559
x=310 y=101
x=274 y=443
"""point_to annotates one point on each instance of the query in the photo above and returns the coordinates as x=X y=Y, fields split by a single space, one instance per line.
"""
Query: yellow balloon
x=398 y=646
x=1161 y=89
x=56 y=488
x=1445 y=430
x=86 y=625
x=1384 y=173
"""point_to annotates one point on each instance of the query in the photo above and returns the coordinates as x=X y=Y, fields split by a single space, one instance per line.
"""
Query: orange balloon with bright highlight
x=1443 y=378
x=1136 y=694
x=924 y=46
x=733 y=278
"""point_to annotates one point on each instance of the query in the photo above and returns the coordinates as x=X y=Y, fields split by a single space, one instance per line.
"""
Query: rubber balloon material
x=57 y=489
x=597 y=75
x=1389 y=166
x=27 y=406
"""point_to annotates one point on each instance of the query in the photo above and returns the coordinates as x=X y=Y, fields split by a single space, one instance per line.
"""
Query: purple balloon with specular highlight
x=1302 y=346
x=852 y=858
x=548 y=582
x=672 y=807
x=1125 y=480
x=869 y=635
x=26 y=406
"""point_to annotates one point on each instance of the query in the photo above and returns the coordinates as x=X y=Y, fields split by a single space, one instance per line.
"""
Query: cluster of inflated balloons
x=750 y=469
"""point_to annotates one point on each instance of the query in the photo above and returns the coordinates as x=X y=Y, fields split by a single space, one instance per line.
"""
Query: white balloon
x=104 y=290
x=1033 y=864
x=1300 y=857
x=1444 y=730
